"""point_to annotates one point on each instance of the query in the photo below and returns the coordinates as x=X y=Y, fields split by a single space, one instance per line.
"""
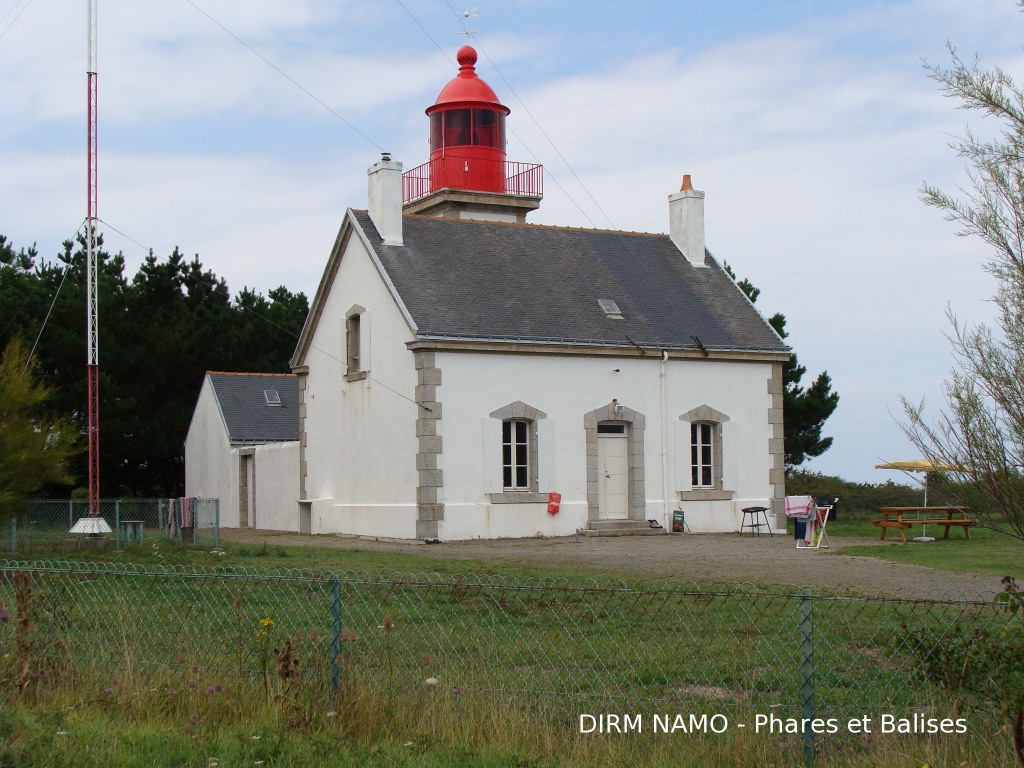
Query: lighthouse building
x=464 y=373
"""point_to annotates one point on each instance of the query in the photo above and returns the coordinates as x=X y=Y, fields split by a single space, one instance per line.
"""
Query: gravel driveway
x=705 y=558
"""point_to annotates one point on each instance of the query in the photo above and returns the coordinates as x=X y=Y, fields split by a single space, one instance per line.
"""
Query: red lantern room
x=468 y=173
x=467 y=122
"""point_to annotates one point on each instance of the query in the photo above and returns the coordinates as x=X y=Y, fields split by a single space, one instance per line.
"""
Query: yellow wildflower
x=267 y=622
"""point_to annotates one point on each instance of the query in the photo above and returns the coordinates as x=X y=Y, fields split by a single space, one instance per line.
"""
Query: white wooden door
x=613 y=477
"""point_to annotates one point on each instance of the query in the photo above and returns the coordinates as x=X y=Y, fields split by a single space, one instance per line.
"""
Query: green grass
x=126 y=730
x=558 y=643
x=987 y=552
x=272 y=556
x=516 y=641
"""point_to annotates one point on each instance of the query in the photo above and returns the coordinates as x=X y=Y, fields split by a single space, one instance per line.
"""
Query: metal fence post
x=14 y=534
x=216 y=512
x=160 y=518
x=117 y=524
x=807 y=671
x=335 y=635
x=71 y=513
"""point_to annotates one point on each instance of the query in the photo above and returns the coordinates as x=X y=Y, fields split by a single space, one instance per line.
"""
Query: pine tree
x=804 y=410
x=35 y=448
x=160 y=331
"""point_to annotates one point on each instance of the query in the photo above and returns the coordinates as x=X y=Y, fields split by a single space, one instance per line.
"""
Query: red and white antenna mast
x=92 y=317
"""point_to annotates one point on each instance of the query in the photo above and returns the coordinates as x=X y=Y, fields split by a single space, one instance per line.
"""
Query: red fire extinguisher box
x=554 y=503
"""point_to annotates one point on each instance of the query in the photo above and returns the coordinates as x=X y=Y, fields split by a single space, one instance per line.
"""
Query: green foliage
x=160 y=331
x=983 y=661
x=867 y=497
x=1011 y=597
x=35 y=448
x=805 y=410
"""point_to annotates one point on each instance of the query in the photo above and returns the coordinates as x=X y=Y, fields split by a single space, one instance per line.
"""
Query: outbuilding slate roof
x=244 y=406
x=492 y=280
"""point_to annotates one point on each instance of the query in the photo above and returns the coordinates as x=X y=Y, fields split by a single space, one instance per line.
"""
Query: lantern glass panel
x=436 y=131
x=488 y=128
x=456 y=127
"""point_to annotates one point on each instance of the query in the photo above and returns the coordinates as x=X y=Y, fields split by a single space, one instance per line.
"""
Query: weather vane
x=464 y=18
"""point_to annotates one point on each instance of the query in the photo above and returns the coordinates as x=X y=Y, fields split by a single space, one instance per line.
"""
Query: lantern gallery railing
x=474 y=174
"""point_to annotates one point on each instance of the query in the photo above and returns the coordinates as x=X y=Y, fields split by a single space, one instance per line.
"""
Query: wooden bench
x=892 y=517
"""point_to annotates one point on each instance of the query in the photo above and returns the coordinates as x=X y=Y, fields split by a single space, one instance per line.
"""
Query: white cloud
x=811 y=143
x=812 y=159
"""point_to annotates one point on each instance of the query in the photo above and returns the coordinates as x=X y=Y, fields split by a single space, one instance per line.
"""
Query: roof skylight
x=273 y=398
x=610 y=309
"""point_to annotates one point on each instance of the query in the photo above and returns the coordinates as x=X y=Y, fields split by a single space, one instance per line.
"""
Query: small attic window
x=610 y=308
x=272 y=397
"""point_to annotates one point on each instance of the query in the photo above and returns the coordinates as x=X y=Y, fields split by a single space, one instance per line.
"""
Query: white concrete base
x=721 y=516
x=509 y=521
x=506 y=521
x=397 y=521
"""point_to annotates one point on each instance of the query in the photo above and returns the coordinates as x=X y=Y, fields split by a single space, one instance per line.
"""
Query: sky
x=811 y=126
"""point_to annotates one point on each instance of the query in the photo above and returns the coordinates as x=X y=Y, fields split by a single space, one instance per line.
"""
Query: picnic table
x=892 y=517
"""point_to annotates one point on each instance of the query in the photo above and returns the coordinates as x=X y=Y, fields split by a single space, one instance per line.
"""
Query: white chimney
x=384 y=199
x=686 y=222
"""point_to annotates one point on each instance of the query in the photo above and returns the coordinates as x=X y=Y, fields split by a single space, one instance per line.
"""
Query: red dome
x=467 y=89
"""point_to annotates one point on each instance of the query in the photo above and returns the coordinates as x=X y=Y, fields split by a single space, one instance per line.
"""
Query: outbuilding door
x=249 y=511
x=612 y=473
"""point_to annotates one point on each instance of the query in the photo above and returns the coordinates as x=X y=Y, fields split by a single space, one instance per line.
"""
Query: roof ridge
x=527 y=224
x=245 y=373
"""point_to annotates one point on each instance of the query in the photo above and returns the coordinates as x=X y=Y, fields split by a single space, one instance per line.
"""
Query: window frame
x=541 y=452
x=454 y=133
x=356 y=353
x=352 y=351
x=514 y=470
x=482 y=132
x=702 y=455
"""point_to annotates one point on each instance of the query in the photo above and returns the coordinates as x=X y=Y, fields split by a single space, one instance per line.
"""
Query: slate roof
x=244 y=406
x=492 y=280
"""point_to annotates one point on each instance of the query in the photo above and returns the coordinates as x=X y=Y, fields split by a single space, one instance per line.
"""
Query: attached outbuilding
x=464 y=374
x=242 y=448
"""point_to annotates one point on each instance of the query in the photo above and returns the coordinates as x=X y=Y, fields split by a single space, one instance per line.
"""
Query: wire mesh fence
x=571 y=648
x=44 y=524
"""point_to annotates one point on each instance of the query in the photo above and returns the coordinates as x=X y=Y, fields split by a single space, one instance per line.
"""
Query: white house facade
x=416 y=422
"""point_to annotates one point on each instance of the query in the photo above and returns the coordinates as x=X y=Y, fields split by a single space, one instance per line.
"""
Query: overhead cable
x=67 y=268
x=216 y=289
x=509 y=129
x=64 y=276
x=424 y=32
x=15 y=18
x=526 y=109
x=16 y=4
x=284 y=74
